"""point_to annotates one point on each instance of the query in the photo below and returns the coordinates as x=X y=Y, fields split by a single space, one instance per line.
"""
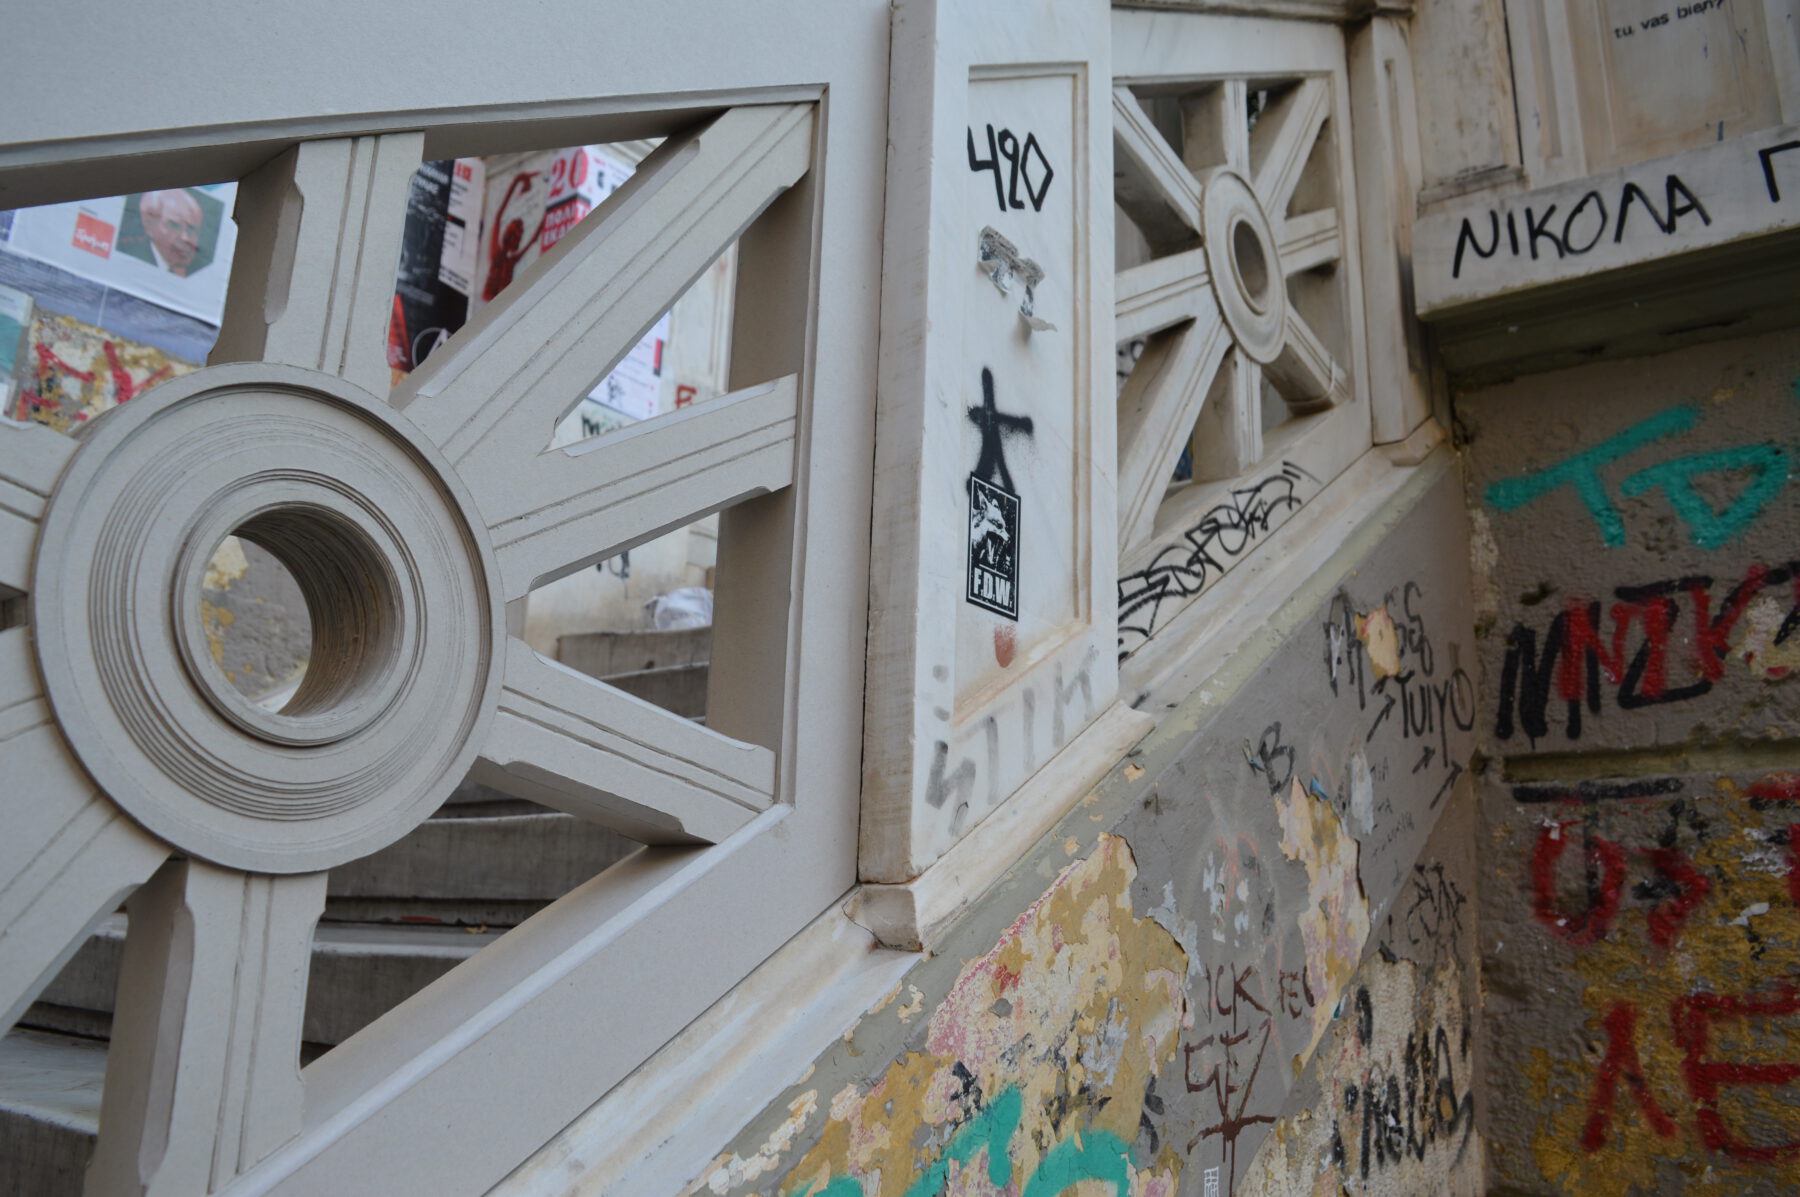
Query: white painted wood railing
x=413 y=517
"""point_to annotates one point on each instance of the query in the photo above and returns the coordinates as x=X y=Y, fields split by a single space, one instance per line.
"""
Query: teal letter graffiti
x=993 y=1129
x=1582 y=471
x=1714 y=528
x=1099 y=1155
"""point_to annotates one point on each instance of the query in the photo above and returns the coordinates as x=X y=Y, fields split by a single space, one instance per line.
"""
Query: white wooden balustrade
x=411 y=518
x=978 y=558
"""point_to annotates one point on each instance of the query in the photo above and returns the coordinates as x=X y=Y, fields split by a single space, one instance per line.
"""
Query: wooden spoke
x=1156 y=190
x=203 y=1076
x=1160 y=293
x=1228 y=434
x=1161 y=401
x=565 y=740
x=31 y=458
x=312 y=283
x=590 y=501
x=1283 y=140
x=1215 y=128
x=68 y=856
x=1310 y=241
x=1306 y=374
x=490 y=397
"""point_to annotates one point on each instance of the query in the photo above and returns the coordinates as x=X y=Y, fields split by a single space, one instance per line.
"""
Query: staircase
x=394 y=922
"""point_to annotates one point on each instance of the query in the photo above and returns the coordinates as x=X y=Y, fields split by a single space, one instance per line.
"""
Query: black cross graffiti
x=995 y=425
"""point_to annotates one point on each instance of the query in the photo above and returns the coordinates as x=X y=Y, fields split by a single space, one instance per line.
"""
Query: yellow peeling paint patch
x=915 y=1002
x=1376 y=631
x=729 y=1171
x=228 y=564
x=1676 y=1007
x=1055 y=1033
x=1335 y=924
x=1133 y=772
x=214 y=620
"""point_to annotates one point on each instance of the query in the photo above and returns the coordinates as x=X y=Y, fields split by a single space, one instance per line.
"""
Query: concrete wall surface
x=1637 y=577
x=1635 y=545
x=1240 y=965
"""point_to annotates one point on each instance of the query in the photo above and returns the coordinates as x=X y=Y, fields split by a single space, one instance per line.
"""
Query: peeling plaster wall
x=1637 y=552
x=1388 y=1105
x=1238 y=927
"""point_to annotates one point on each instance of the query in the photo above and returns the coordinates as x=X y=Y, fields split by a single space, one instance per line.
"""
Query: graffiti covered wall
x=1637 y=565
x=1240 y=927
x=1637 y=554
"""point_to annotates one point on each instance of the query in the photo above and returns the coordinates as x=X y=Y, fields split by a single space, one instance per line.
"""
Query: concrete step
x=679 y=689
x=481 y=861
x=603 y=654
x=49 y=1111
x=665 y=668
x=359 y=972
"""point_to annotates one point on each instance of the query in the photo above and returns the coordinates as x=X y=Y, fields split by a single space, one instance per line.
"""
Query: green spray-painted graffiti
x=1769 y=466
x=1714 y=528
x=1097 y=1155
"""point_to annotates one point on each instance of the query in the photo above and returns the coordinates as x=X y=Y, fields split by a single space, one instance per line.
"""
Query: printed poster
x=172 y=247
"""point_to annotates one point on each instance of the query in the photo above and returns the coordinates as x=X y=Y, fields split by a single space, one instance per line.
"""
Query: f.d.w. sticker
x=993 y=548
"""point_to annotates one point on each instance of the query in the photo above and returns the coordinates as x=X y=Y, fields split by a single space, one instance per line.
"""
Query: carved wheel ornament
x=1234 y=187
x=131 y=768
x=398 y=574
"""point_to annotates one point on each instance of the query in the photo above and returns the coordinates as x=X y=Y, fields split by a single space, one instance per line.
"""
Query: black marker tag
x=993 y=548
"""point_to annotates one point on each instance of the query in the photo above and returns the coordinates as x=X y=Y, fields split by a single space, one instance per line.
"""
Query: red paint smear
x=1794 y=862
x=48 y=360
x=1691 y=1018
x=1621 y=1061
x=1594 y=922
x=1782 y=787
x=1666 y=918
x=1005 y=644
x=1711 y=641
x=121 y=377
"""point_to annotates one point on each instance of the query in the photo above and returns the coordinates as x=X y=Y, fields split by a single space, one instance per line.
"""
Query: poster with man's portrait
x=172 y=247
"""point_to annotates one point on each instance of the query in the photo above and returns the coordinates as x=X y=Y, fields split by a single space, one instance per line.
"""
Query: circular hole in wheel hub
x=1251 y=265
x=256 y=620
x=340 y=649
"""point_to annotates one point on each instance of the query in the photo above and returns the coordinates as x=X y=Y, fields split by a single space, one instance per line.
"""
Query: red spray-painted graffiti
x=1580 y=897
x=1580 y=647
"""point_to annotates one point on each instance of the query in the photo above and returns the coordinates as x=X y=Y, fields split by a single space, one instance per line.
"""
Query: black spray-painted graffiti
x=995 y=426
x=1633 y=650
x=1431 y=924
x=994 y=509
x=1405 y=692
x=1534 y=231
x=1400 y=1109
x=1582 y=226
x=1018 y=155
x=1227 y=531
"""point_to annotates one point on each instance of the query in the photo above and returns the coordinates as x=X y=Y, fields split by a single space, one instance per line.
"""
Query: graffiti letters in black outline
x=1228 y=530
